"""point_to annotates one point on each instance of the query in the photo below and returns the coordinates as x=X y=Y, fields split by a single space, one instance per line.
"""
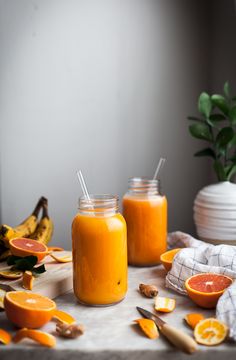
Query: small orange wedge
x=25 y=247
x=28 y=280
x=210 y=332
x=148 y=327
x=63 y=317
x=40 y=337
x=193 y=319
x=5 y=337
x=26 y=309
x=167 y=258
x=164 y=304
x=11 y=274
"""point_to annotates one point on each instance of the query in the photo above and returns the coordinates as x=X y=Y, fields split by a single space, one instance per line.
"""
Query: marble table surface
x=110 y=333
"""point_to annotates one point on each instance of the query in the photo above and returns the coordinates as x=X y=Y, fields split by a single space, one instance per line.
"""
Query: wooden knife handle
x=178 y=338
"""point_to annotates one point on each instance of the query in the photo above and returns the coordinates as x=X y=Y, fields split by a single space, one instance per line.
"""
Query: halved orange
x=167 y=258
x=149 y=328
x=205 y=289
x=28 y=310
x=26 y=247
x=5 y=337
x=210 y=332
x=164 y=304
x=40 y=337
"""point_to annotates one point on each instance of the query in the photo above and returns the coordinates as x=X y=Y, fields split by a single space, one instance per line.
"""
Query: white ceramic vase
x=215 y=213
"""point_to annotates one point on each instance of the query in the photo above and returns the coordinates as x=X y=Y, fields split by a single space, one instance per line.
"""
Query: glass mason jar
x=99 y=240
x=145 y=212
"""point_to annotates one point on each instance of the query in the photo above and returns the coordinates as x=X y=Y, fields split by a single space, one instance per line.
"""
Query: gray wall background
x=104 y=86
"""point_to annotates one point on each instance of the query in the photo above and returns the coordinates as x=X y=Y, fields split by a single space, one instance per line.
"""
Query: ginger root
x=149 y=291
x=71 y=331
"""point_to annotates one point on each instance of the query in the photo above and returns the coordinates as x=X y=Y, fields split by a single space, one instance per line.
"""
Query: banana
x=44 y=230
x=26 y=228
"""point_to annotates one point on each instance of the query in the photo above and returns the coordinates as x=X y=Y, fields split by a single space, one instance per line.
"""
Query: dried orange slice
x=28 y=280
x=149 y=328
x=40 y=337
x=193 y=319
x=62 y=257
x=55 y=248
x=29 y=310
x=11 y=274
x=5 y=337
x=210 y=332
x=63 y=317
x=164 y=304
x=2 y=295
x=205 y=289
x=167 y=258
x=25 y=247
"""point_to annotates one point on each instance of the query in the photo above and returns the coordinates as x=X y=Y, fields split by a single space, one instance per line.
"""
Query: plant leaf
x=221 y=103
x=227 y=89
x=224 y=137
x=231 y=172
x=217 y=117
x=23 y=263
x=234 y=98
x=194 y=118
x=206 y=152
x=39 y=269
x=232 y=115
x=11 y=260
x=219 y=169
x=200 y=131
x=204 y=104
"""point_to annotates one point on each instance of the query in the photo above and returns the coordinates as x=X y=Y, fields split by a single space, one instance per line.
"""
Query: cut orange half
x=40 y=337
x=26 y=247
x=164 y=304
x=205 y=289
x=167 y=258
x=29 y=310
x=210 y=332
x=148 y=327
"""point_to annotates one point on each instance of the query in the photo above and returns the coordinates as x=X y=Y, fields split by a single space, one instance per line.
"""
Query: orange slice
x=167 y=258
x=11 y=274
x=205 y=289
x=193 y=319
x=164 y=304
x=55 y=248
x=5 y=337
x=40 y=337
x=63 y=317
x=28 y=280
x=210 y=332
x=25 y=247
x=2 y=295
x=148 y=327
x=29 y=310
x=62 y=257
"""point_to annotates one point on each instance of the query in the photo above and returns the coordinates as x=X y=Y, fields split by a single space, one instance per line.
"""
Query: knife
x=177 y=337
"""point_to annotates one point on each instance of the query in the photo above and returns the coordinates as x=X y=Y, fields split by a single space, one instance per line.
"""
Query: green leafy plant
x=217 y=126
x=26 y=263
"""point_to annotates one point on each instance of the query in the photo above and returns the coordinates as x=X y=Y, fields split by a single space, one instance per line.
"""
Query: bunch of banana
x=44 y=230
x=25 y=229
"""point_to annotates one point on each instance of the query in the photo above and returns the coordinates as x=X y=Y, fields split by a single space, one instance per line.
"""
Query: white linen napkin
x=200 y=257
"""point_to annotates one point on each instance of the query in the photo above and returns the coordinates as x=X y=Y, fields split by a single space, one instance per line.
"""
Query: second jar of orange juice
x=145 y=212
x=99 y=251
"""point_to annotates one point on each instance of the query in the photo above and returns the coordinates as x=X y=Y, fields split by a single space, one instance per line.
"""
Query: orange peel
x=193 y=319
x=5 y=337
x=63 y=317
x=40 y=337
x=28 y=280
x=148 y=327
x=164 y=304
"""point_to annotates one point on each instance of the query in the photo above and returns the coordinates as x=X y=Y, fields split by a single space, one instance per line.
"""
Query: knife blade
x=177 y=337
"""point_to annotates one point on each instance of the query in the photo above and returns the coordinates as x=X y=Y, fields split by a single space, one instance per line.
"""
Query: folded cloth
x=200 y=257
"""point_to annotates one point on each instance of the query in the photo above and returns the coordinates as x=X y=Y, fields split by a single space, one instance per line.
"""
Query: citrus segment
x=148 y=327
x=62 y=257
x=25 y=247
x=205 y=289
x=11 y=274
x=164 y=304
x=168 y=257
x=193 y=319
x=40 y=337
x=63 y=317
x=28 y=280
x=5 y=337
x=210 y=332
x=29 y=310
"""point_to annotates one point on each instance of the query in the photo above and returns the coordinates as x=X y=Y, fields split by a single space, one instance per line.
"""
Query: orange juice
x=145 y=212
x=99 y=252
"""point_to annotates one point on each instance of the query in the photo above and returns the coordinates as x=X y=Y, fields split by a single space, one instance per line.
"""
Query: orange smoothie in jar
x=99 y=251
x=145 y=212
